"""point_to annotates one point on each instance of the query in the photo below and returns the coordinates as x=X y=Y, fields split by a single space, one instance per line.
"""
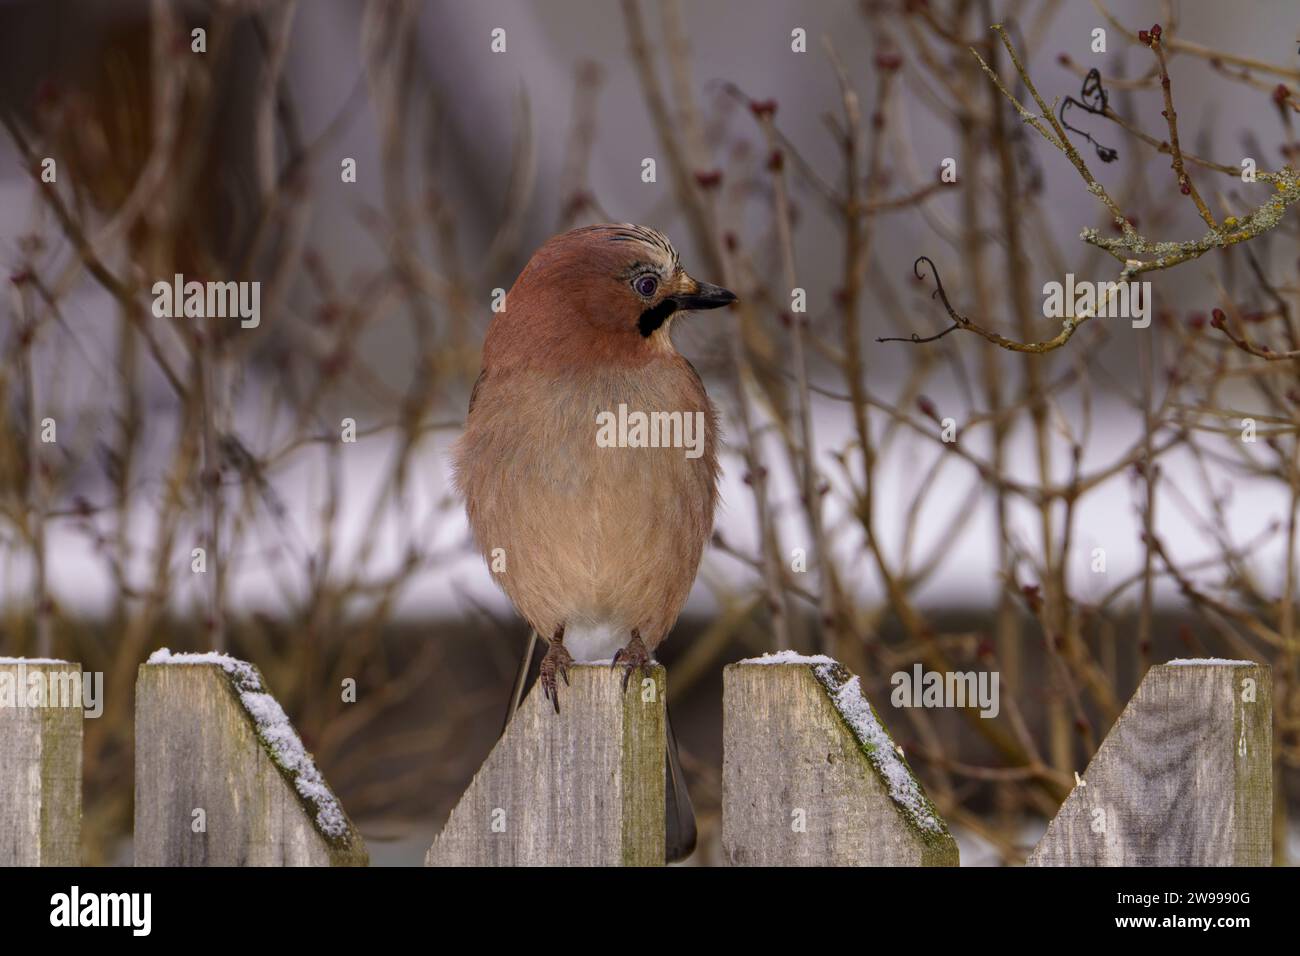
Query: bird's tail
x=679 y=815
x=521 y=682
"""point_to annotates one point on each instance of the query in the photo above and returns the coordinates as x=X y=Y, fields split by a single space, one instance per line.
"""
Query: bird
x=596 y=543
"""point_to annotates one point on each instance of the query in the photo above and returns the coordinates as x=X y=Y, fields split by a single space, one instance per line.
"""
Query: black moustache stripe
x=655 y=316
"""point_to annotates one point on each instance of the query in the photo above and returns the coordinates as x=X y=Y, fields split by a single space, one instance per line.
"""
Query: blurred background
x=1104 y=505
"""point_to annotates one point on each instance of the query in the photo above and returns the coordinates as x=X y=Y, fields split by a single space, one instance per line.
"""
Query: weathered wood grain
x=1184 y=778
x=199 y=747
x=584 y=787
x=803 y=785
x=40 y=769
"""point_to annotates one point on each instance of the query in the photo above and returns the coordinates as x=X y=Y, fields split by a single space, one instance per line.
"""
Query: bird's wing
x=473 y=395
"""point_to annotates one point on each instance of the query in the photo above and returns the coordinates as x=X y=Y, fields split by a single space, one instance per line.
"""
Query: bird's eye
x=646 y=285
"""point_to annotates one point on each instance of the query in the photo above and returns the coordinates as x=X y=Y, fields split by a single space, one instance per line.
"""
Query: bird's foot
x=557 y=661
x=632 y=657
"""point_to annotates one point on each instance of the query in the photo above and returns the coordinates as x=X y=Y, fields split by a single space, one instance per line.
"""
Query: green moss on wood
x=832 y=678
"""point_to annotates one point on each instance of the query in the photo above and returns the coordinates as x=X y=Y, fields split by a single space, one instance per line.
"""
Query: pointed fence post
x=811 y=777
x=221 y=776
x=584 y=787
x=1184 y=778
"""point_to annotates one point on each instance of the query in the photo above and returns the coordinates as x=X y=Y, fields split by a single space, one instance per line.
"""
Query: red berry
x=888 y=60
x=708 y=178
x=1032 y=596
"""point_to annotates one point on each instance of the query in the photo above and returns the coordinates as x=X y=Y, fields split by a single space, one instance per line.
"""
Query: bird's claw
x=632 y=657
x=556 y=661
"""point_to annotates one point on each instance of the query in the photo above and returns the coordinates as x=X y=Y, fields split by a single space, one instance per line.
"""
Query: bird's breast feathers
x=590 y=430
x=598 y=487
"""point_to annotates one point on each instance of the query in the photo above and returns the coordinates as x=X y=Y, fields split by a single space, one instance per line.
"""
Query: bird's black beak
x=704 y=296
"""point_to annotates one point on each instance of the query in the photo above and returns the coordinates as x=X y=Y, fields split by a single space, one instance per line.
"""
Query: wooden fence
x=810 y=775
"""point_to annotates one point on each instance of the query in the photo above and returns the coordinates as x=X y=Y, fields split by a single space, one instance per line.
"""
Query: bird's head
x=612 y=288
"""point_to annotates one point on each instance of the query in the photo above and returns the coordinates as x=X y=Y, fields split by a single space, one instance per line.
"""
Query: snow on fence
x=221 y=777
x=810 y=775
